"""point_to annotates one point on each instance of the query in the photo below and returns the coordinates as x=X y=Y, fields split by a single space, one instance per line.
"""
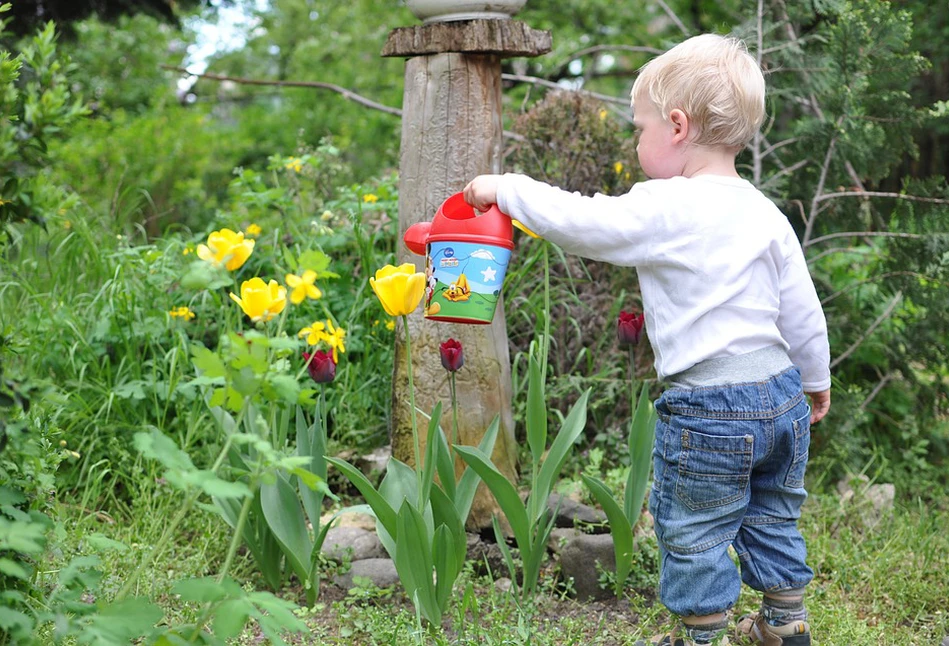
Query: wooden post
x=451 y=131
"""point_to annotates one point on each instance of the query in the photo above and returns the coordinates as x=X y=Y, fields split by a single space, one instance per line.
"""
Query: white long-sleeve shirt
x=721 y=270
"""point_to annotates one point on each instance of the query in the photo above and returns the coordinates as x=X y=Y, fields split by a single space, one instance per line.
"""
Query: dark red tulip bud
x=629 y=328
x=453 y=357
x=321 y=366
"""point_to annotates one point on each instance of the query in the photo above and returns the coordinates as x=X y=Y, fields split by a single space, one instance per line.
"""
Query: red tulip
x=321 y=366
x=453 y=356
x=629 y=328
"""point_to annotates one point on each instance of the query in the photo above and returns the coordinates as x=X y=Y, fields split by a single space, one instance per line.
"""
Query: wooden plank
x=508 y=38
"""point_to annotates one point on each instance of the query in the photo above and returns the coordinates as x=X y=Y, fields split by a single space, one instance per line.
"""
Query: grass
x=877 y=582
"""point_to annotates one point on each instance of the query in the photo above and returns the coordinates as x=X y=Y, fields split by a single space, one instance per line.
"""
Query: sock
x=703 y=634
x=783 y=611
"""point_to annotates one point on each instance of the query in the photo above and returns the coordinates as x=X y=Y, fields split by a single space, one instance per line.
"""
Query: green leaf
x=15 y=624
x=206 y=589
x=12 y=568
x=536 y=410
x=431 y=453
x=311 y=444
x=122 y=622
x=158 y=446
x=413 y=560
x=446 y=566
x=469 y=481
x=501 y=541
x=445 y=513
x=285 y=518
x=230 y=618
x=217 y=487
x=504 y=492
x=380 y=507
x=315 y=260
x=561 y=446
x=620 y=528
x=443 y=464
x=642 y=435
x=207 y=362
x=102 y=543
x=286 y=387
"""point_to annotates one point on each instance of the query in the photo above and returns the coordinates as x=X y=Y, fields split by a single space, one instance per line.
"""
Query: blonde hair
x=715 y=81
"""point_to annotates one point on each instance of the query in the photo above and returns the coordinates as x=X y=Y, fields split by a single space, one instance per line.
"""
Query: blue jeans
x=729 y=470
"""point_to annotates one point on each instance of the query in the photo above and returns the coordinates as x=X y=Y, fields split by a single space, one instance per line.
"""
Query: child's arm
x=802 y=324
x=604 y=228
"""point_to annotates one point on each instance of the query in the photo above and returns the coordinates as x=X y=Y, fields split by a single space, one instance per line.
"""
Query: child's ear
x=680 y=126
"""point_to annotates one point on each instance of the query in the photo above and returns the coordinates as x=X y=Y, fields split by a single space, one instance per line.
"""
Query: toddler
x=737 y=330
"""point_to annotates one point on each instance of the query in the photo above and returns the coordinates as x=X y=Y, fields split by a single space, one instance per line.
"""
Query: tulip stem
x=418 y=450
x=546 y=347
x=632 y=380
x=454 y=416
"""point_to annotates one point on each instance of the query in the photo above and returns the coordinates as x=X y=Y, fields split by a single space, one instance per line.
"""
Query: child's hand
x=482 y=191
x=820 y=404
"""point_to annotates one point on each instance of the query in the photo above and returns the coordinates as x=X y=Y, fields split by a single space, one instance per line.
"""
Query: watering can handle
x=416 y=237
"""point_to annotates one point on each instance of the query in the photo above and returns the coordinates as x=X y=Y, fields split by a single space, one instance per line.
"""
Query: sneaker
x=673 y=639
x=796 y=633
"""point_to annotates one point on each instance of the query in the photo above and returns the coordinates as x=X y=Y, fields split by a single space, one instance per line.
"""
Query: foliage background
x=113 y=165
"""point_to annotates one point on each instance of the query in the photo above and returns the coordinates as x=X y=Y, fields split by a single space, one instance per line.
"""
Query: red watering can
x=466 y=257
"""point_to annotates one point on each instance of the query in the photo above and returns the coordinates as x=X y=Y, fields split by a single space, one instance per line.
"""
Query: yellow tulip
x=225 y=247
x=261 y=301
x=302 y=287
x=399 y=289
x=518 y=225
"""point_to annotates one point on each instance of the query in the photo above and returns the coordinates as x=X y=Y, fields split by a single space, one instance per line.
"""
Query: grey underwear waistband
x=750 y=367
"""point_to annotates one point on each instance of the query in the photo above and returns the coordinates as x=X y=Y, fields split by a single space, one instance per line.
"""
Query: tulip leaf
x=445 y=513
x=413 y=560
x=620 y=528
x=501 y=541
x=312 y=444
x=380 y=506
x=536 y=410
x=446 y=564
x=572 y=427
x=431 y=453
x=534 y=556
x=284 y=516
x=444 y=465
x=504 y=492
x=468 y=483
x=642 y=434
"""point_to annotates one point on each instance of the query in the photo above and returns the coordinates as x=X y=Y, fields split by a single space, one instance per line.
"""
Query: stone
x=352 y=543
x=352 y=519
x=485 y=556
x=381 y=572
x=571 y=512
x=376 y=461
x=582 y=559
x=503 y=584
x=560 y=536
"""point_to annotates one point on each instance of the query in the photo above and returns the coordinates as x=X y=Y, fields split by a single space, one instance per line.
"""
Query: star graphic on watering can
x=489 y=274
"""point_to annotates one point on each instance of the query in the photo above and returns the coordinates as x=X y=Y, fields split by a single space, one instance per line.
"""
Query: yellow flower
x=303 y=287
x=390 y=325
x=253 y=230
x=227 y=248
x=182 y=312
x=314 y=333
x=618 y=167
x=603 y=114
x=335 y=338
x=187 y=250
x=399 y=289
x=295 y=164
x=67 y=224
x=369 y=198
x=261 y=301
x=326 y=216
x=518 y=225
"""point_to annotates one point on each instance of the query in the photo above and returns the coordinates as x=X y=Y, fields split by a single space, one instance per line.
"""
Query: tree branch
x=347 y=94
x=673 y=16
x=873 y=326
x=876 y=389
x=867 y=281
x=899 y=196
x=863 y=234
x=812 y=213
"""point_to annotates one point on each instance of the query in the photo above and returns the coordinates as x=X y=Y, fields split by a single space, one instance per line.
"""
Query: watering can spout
x=416 y=237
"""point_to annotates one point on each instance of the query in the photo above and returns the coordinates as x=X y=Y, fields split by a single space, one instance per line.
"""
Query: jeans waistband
x=750 y=367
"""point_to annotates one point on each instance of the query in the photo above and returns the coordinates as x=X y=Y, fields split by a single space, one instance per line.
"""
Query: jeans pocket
x=801 y=428
x=713 y=470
